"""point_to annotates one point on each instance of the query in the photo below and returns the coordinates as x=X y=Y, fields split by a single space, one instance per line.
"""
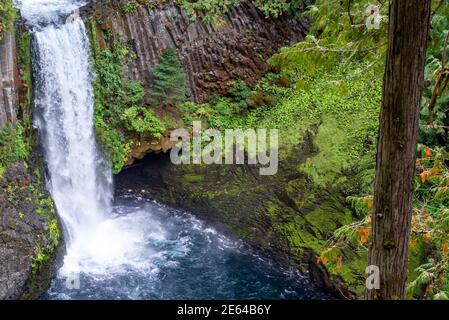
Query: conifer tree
x=169 y=78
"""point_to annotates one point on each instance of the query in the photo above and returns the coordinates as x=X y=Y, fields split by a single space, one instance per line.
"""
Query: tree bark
x=396 y=155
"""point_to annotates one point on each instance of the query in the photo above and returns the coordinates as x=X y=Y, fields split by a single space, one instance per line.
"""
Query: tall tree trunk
x=396 y=155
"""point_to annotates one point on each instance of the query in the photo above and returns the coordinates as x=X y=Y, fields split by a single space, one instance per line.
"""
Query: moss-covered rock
x=30 y=240
x=287 y=216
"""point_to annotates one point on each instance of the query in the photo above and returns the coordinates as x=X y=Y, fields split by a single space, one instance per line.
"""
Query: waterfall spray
x=80 y=179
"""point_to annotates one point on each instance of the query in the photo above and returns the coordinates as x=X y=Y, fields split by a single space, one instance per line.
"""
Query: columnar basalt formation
x=213 y=56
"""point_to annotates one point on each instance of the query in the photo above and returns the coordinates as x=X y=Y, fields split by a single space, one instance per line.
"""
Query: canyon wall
x=213 y=56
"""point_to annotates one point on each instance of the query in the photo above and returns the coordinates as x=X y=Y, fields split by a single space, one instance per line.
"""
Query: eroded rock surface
x=213 y=56
x=24 y=234
x=8 y=78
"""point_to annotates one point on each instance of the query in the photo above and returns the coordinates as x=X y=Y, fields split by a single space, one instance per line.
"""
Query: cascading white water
x=65 y=101
x=79 y=178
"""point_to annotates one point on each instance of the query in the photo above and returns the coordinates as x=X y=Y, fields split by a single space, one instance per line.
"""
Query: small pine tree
x=169 y=80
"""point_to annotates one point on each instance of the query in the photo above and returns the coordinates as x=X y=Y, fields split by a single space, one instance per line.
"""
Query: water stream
x=127 y=248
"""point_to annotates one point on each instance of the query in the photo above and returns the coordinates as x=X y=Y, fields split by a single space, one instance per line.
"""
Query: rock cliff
x=8 y=78
x=29 y=235
x=213 y=56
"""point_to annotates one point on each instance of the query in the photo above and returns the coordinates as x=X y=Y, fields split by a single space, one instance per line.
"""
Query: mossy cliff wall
x=287 y=216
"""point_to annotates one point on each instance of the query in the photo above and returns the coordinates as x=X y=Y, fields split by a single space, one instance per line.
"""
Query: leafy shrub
x=143 y=120
x=111 y=139
x=7 y=15
x=22 y=147
x=241 y=96
x=129 y=7
x=13 y=145
x=272 y=8
x=210 y=11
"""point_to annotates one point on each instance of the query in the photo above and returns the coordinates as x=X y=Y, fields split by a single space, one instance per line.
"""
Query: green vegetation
x=7 y=147
x=124 y=112
x=113 y=95
x=212 y=11
x=129 y=7
x=7 y=15
x=343 y=110
x=16 y=141
x=13 y=146
x=43 y=207
x=143 y=120
x=169 y=86
x=428 y=272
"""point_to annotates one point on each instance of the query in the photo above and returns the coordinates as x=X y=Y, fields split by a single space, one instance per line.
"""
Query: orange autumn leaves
x=364 y=234
x=334 y=258
x=429 y=238
x=421 y=228
x=358 y=233
x=423 y=166
x=426 y=173
x=430 y=228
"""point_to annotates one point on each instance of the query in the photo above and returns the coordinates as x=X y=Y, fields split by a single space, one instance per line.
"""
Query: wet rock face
x=21 y=232
x=8 y=78
x=213 y=56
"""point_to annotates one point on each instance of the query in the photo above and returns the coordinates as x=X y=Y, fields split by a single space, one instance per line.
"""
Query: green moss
x=129 y=7
x=24 y=60
x=192 y=178
x=54 y=232
x=328 y=217
x=7 y=16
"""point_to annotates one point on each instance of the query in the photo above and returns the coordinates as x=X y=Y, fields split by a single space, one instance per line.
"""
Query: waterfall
x=79 y=180
x=64 y=100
